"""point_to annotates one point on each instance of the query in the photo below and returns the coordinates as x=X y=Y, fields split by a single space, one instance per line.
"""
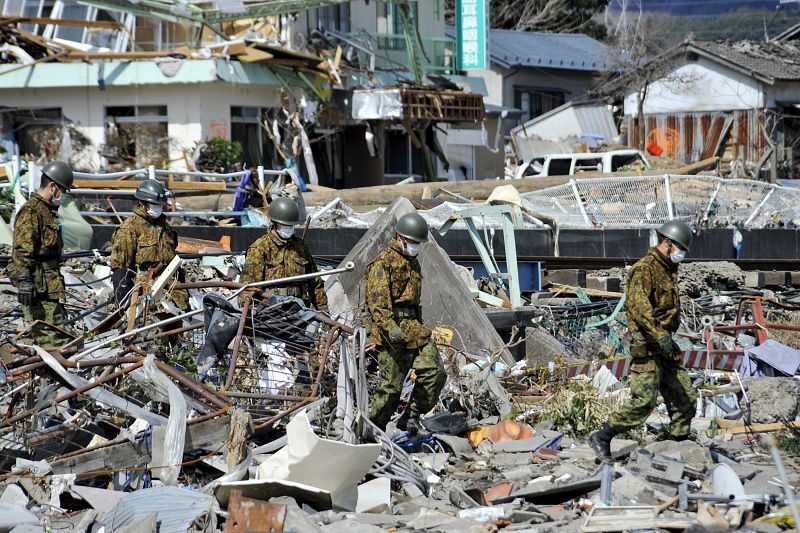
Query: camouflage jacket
x=653 y=304
x=37 y=246
x=141 y=242
x=270 y=257
x=394 y=280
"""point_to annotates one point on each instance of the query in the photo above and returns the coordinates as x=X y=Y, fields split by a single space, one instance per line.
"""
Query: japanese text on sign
x=471 y=34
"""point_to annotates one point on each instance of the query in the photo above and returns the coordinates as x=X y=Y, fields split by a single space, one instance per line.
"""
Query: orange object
x=509 y=430
x=501 y=490
x=200 y=246
x=654 y=148
x=477 y=435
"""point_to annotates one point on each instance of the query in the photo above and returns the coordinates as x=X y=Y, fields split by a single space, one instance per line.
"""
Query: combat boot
x=600 y=443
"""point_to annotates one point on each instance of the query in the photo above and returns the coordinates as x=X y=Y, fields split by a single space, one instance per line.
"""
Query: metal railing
x=390 y=50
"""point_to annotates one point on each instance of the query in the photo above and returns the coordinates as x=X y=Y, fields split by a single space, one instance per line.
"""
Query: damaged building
x=749 y=119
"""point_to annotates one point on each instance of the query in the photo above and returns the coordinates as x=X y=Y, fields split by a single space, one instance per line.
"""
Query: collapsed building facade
x=140 y=85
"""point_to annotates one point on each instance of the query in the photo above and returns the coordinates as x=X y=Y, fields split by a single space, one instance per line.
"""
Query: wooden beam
x=110 y=24
x=173 y=185
x=757 y=428
x=475 y=189
x=132 y=454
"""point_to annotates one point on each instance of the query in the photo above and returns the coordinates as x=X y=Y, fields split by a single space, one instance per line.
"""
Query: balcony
x=390 y=51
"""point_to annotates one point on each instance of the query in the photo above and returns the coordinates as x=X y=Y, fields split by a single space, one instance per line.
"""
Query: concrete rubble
x=127 y=429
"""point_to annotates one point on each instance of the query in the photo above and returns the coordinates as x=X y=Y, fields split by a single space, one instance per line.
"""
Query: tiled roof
x=772 y=60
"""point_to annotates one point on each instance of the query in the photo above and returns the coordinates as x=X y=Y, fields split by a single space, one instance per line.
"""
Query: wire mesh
x=279 y=359
x=645 y=201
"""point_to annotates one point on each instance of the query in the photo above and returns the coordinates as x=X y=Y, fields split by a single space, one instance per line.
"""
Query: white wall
x=194 y=112
x=702 y=85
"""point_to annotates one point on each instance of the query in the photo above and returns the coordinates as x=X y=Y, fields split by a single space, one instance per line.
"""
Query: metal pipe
x=236 y=342
x=100 y=176
x=173 y=214
x=161 y=172
x=73 y=393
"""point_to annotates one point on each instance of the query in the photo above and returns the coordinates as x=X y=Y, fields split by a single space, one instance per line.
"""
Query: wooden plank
x=558 y=288
x=231 y=49
x=254 y=55
x=172 y=185
x=132 y=454
x=758 y=428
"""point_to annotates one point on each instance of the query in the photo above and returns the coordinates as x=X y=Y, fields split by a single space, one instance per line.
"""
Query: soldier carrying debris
x=653 y=311
x=144 y=242
x=35 y=260
x=393 y=290
x=280 y=254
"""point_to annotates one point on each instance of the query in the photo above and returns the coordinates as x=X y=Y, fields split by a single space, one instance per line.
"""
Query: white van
x=572 y=164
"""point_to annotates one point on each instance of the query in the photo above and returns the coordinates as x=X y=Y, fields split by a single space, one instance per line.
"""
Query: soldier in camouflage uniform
x=392 y=294
x=281 y=254
x=144 y=241
x=35 y=260
x=653 y=311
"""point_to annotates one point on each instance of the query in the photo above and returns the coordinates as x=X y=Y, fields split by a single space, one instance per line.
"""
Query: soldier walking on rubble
x=392 y=294
x=37 y=245
x=281 y=254
x=144 y=241
x=653 y=311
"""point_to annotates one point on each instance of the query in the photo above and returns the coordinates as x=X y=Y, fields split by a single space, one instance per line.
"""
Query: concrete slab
x=446 y=300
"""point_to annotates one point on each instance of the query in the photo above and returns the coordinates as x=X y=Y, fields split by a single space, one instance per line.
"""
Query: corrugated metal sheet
x=568 y=121
x=692 y=137
x=179 y=510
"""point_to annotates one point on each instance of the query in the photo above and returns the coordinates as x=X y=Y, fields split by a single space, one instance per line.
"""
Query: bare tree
x=557 y=16
x=638 y=61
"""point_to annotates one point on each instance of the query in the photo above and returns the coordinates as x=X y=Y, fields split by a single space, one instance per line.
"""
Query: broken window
x=390 y=25
x=36 y=132
x=401 y=159
x=633 y=161
x=28 y=8
x=246 y=128
x=559 y=166
x=594 y=164
x=137 y=135
x=534 y=102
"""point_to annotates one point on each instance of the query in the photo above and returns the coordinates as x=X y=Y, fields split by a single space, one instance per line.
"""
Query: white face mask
x=412 y=248
x=57 y=196
x=155 y=210
x=285 y=232
x=677 y=255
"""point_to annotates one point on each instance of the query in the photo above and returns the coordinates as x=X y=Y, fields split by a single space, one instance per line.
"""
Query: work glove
x=665 y=344
x=122 y=280
x=25 y=287
x=396 y=335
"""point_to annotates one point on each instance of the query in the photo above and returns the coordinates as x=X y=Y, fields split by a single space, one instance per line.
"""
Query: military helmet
x=678 y=232
x=59 y=173
x=284 y=211
x=412 y=227
x=151 y=191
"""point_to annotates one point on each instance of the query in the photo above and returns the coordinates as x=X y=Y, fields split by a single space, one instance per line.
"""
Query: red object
x=654 y=148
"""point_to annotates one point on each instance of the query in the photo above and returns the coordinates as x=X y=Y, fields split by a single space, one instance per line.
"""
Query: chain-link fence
x=651 y=201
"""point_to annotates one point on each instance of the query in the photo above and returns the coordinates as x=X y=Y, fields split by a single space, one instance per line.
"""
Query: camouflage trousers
x=395 y=362
x=652 y=375
x=50 y=311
